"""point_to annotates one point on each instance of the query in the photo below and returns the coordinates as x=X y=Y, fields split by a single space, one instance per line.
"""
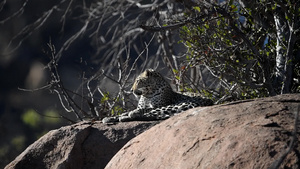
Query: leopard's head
x=149 y=83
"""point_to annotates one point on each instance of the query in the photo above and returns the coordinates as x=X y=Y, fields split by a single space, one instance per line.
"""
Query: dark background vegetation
x=64 y=61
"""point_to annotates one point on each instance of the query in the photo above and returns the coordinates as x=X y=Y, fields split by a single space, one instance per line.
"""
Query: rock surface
x=82 y=145
x=246 y=134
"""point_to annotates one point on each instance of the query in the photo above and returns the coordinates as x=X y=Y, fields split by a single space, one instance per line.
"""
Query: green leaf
x=105 y=97
x=274 y=6
x=175 y=71
x=188 y=44
x=206 y=26
x=197 y=8
x=258 y=63
x=234 y=8
x=31 y=118
x=185 y=29
x=117 y=110
x=215 y=35
x=287 y=17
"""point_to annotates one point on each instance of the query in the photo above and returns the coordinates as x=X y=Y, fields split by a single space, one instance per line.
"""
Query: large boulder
x=82 y=145
x=246 y=134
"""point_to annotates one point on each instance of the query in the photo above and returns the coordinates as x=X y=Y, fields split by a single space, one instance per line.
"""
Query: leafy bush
x=252 y=47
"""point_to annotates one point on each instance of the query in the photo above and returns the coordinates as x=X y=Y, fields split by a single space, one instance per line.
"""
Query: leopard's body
x=157 y=99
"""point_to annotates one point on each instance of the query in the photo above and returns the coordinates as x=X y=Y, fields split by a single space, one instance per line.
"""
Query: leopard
x=158 y=101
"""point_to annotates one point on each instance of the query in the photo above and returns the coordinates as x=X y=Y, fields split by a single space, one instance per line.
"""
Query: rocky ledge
x=247 y=134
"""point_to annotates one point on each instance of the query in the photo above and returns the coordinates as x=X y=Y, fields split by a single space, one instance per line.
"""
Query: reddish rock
x=246 y=134
x=82 y=145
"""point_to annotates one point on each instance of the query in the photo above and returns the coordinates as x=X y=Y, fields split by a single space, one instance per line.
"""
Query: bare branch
x=17 y=13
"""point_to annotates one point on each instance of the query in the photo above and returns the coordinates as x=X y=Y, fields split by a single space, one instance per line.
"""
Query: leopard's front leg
x=136 y=114
x=115 y=118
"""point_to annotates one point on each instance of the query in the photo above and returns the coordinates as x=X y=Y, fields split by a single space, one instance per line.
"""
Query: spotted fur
x=157 y=99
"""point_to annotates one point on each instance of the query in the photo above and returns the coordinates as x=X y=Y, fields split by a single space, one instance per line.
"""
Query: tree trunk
x=280 y=50
x=289 y=60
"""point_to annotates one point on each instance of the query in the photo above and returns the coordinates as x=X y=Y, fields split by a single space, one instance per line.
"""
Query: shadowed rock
x=82 y=145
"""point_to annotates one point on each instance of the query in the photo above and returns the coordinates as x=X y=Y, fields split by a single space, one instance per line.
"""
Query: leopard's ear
x=149 y=72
